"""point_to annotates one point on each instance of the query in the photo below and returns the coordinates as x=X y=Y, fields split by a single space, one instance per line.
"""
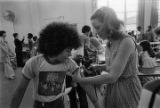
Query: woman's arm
x=116 y=68
x=19 y=93
x=99 y=67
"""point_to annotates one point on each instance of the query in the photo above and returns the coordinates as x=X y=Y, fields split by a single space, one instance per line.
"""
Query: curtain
x=154 y=13
x=141 y=11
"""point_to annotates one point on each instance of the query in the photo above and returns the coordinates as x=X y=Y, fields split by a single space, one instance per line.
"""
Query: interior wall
x=62 y=10
x=22 y=23
x=33 y=15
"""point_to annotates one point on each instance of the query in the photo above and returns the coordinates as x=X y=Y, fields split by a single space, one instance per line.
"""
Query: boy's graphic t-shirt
x=48 y=79
x=50 y=83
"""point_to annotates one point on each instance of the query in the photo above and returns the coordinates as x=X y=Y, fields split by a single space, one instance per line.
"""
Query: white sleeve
x=29 y=68
x=71 y=65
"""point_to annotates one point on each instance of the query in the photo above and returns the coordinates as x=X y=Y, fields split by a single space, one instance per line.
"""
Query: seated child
x=48 y=70
x=147 y=55
x=146 y=60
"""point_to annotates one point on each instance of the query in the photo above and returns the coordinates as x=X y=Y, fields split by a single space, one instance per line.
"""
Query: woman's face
x=98 y=26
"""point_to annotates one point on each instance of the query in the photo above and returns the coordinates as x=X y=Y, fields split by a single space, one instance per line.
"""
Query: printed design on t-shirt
x=50 y=82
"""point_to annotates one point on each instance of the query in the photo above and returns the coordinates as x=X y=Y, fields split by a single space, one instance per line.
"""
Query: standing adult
x=35 y=44
x=30 y=42
x=5 y=53
x=123 y=86
x=95 y=44
x=18 y=49
x=139 y=34
x=86 y=30
x=149 y=35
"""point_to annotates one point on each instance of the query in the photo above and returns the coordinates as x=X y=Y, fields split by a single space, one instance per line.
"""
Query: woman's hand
x=76 y=76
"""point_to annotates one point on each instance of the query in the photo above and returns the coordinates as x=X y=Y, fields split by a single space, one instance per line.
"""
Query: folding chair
x=150 y=95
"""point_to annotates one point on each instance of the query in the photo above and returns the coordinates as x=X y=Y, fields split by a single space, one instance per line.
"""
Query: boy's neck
x=52 y=60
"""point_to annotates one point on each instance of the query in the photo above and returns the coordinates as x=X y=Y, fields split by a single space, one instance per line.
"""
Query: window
x=159 y=13
x=126 y=10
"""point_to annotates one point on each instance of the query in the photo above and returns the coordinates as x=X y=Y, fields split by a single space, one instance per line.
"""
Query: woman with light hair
x=123 y=87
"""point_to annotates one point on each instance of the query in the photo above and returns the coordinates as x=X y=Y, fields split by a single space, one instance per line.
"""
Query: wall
x=32 y=15
x=72 y=11
x=22 y=23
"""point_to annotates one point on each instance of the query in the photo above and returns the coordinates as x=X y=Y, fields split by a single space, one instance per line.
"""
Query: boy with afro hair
x=49 y=69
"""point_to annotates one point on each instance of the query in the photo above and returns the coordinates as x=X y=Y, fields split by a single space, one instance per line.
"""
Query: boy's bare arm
x=19 y=93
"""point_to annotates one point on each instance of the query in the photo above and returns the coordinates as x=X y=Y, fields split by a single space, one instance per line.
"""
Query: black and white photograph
x=79 y=53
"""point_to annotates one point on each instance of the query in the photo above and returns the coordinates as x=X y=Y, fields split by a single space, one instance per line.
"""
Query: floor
x=7 y=88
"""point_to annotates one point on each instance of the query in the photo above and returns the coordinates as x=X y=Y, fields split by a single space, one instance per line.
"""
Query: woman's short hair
x=56 y=37
x=2 y=32
x=111 y=23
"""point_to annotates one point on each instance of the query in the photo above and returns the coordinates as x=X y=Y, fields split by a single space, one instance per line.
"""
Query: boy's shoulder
x=35 y=59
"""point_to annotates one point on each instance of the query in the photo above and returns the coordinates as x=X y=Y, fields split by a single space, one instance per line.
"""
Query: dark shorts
x=59 y=103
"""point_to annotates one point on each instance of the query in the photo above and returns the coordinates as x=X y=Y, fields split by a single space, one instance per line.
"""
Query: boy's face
x=66 y=53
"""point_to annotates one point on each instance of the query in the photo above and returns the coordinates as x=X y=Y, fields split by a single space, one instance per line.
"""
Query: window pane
x=127 y=14
x=159 y=13
x=120 y=15
x=131 y=27
x=101 y=3
x=131 y=17
x=117 y=5
x=131 y=5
